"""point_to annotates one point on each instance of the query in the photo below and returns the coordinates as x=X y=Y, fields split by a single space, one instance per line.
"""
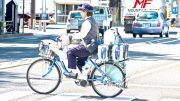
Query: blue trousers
x=77 y=56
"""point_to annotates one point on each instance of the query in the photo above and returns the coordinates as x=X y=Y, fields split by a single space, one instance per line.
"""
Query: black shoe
x=71 y=75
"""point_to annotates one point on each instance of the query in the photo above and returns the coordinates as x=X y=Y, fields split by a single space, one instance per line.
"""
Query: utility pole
x=2 y=16
x=23 y=18
x=33 y=13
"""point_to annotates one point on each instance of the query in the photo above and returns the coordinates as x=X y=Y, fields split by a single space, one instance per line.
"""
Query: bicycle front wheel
x=43 y=76
x=112 y=83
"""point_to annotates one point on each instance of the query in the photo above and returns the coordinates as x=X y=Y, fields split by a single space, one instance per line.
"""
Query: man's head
x=86 y=10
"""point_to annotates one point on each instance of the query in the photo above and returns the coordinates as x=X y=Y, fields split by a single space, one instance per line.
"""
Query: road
x=152 y=71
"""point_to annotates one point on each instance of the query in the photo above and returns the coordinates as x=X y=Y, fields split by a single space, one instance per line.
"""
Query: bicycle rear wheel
x=43 y=76
x=112 y=83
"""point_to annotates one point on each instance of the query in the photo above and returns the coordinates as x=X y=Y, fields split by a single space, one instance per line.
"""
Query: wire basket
x=44 y=51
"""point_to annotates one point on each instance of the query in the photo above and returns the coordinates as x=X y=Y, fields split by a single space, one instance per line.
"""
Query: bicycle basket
x=44 y=51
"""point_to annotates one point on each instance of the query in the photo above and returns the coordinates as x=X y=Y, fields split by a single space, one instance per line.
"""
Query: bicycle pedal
x=77 y=82
x=81 y=82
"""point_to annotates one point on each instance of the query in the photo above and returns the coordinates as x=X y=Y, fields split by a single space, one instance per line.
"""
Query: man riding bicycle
x=89 y=31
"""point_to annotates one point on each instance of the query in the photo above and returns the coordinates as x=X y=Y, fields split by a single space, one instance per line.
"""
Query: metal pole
x=23 y=18
x=3 y=17
x=42 y=6
x=178 y=16
x=33 y=14
x=119 y=18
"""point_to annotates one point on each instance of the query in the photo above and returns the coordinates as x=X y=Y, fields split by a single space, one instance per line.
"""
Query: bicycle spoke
x=111 y=83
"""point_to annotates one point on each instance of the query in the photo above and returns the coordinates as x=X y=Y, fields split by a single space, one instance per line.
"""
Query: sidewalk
x=27 y=32
x=5 y=35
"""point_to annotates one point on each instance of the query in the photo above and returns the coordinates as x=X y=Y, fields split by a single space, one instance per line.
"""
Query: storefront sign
x=174 y=10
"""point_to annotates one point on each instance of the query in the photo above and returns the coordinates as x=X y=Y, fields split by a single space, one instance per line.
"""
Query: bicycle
x=107 y=78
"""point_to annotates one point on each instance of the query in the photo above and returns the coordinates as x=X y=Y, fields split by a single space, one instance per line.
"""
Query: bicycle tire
x=104 y=91
x=46 y=84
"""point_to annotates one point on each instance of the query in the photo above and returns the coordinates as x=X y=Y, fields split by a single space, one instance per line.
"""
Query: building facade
x=63 y=7
x=59 y=9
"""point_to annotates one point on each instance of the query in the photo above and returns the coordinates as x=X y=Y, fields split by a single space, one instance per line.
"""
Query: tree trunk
x=116 y=14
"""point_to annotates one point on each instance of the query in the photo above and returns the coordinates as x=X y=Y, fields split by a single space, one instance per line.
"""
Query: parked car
x=74 y=21
x=100 y=13
x=150 y=22
x=103 y=17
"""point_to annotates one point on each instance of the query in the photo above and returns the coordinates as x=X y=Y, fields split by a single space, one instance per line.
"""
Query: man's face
x=83 y=14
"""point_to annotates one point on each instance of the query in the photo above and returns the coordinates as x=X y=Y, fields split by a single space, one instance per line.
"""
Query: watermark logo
x=142 y=3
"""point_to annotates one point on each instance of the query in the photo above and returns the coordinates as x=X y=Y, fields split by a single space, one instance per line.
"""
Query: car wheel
x=68 y=31
x=101 y=31
x=140 y=35
x=167 y=34
x=105 y=28
x=161 y=34
x=134 y=35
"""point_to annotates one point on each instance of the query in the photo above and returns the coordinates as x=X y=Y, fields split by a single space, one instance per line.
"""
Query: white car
x=103 y=18
x=74 y=21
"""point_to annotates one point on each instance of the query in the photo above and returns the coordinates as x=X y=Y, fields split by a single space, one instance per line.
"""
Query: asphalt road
x=152 y=71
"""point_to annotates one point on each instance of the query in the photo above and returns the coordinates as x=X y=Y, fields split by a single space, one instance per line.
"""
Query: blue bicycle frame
x=57 y=59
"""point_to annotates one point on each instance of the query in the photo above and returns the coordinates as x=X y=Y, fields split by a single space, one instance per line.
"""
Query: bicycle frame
x=57 y=59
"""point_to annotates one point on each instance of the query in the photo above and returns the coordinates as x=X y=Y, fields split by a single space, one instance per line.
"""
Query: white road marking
x=18 y=45
x=154 y=86
x=14 y=95
x=63 y=97
x=152 y=70
x=170 y=99
x=168 y=41
x=150 y=42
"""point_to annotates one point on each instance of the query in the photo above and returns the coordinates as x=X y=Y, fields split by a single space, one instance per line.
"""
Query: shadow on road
x=9 y=78
x=148 y=56
x=9 y=53
x=114 y=99
x=17 y=53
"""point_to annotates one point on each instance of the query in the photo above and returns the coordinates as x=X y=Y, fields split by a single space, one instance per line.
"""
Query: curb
x=6 y=35
x=12 y=64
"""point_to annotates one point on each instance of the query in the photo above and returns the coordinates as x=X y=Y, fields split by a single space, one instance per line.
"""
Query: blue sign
x=166 y=1
x=174 y=10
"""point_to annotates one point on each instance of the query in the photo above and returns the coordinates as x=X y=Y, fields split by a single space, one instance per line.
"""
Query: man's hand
x=70 y=39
